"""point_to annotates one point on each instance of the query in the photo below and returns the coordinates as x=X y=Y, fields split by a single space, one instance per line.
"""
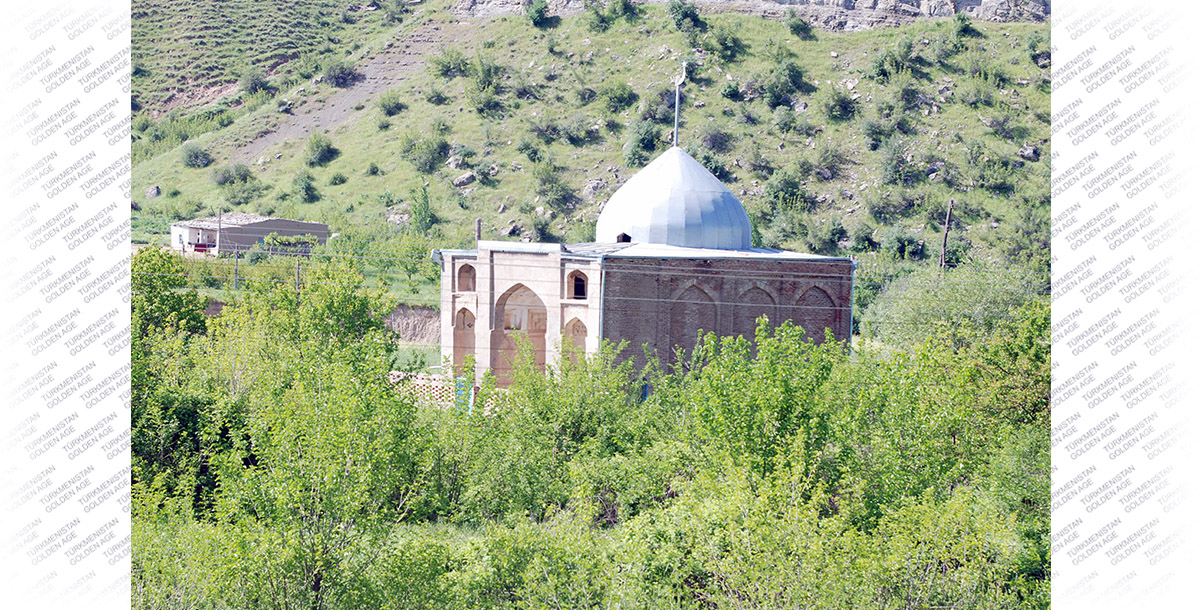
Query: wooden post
x=297 y=281
x=946 y=234
x=235 y=269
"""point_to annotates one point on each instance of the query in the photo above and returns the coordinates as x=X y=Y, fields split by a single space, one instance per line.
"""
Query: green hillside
x=836 y=142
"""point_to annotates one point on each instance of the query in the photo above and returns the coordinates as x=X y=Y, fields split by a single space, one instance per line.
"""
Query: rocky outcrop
x=837 y=15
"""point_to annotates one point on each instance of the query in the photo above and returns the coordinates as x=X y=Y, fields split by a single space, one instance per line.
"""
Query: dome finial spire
x=678 y=84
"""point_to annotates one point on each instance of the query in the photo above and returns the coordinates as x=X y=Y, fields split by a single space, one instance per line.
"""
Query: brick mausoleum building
x=672 y=256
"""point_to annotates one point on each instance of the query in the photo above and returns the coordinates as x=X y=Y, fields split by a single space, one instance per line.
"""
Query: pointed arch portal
x=518 y=311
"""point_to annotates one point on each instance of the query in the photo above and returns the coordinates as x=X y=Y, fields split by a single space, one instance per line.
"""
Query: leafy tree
x=538 y=13
x=158 y=277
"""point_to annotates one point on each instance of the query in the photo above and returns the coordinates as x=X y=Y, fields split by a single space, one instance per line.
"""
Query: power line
x=627 y=298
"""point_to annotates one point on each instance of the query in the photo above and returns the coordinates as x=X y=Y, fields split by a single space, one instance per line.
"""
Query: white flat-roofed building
x=237 y=232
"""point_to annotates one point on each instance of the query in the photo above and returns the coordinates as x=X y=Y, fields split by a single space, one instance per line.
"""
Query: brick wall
x=663 y=302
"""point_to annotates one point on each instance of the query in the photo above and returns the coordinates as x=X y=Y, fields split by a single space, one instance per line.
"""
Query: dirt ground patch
x=404 y=57
x=416 y=324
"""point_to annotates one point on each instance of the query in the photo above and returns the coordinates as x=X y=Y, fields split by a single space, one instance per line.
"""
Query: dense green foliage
x=276 y=466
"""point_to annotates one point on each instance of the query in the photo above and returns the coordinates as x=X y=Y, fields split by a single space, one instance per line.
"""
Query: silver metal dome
x=674 y=200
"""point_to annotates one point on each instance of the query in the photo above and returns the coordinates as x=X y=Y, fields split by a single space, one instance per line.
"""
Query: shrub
x=830 y=159
x=337 y=178
x=194 y=156
x=427 y=154
x=894 y=166
x=884 y=65
x=235 y=172
x=253 y=81
x=784 y=80
x=785 y=189
x=976 y=94
x=684 y=15
x=487 y=73
x=861 y=237
x=724 y=43
x=390 y=103
x=530 y=150
x=597 y=18
x=305 y=187
x=339 y=73
x=537 y=12
x=784 y=119
x=550 y=185
x=899 y=243
x=644 y=135
x=839 y=106
x=731 y=92
x=661 y=108
x=716 y=140
x=797 y=25
x=436 y=96
x=622 y=9
x=545 y=129
x=576 y=130
x=823 y=233
x=633 y=155
x=758 y=164
x=963 y=28
x=241 y=193
x=319 y=150
x=450 y=63
x=876 y=131
x=372 y=169
x=484 y=101
x=617 y=95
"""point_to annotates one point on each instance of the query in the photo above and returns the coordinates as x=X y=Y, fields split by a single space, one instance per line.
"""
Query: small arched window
x=624 y=238
x=466 y=278
x=576 y=285
x=465 y=320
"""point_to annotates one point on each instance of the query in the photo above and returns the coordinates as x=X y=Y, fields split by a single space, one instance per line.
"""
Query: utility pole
x=946 y=234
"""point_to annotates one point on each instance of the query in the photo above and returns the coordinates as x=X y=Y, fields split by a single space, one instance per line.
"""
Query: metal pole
x=675 y=137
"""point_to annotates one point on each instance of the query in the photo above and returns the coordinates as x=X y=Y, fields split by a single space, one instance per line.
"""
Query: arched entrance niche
x=751 y=304
x=692 y=310
x=575 y=334
x=518 y=311
x=464 y=336
x=816 y=312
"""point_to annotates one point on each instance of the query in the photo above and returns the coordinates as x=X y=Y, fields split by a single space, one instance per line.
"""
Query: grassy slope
x=646 y=53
